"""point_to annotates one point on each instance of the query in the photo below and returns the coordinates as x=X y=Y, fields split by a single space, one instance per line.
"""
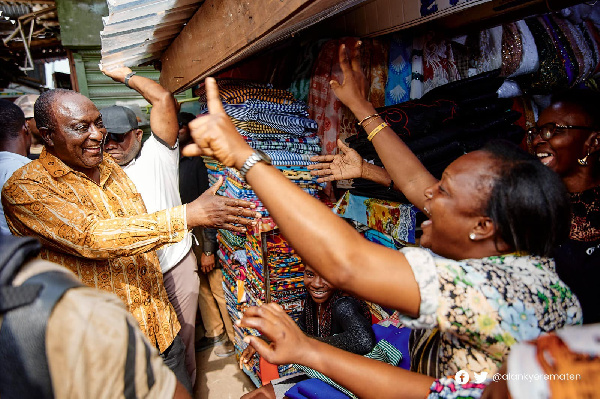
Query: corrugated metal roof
x=137 y=31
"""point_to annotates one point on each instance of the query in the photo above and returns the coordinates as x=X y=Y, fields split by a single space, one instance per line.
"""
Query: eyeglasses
x=549 y=129
x=117 y=138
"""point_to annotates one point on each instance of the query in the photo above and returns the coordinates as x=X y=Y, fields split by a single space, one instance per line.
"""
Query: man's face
x=78 y=134
x=124 y=147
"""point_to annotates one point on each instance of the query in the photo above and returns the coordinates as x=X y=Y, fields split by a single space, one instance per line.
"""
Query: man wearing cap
x=15 y=141
x=154 y=169
x=26 y=103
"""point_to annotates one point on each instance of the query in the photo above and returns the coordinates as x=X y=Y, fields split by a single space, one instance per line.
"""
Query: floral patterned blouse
x=475 y=309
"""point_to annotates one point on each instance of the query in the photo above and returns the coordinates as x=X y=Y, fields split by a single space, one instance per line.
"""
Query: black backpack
x=25 y=311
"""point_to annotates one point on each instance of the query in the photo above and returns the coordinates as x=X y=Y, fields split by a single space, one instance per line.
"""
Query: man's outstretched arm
x=163 y=116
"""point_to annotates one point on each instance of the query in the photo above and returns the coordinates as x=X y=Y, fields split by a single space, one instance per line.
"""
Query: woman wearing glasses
x=566 y=139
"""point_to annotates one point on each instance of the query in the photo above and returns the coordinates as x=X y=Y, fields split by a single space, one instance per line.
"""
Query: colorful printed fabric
x=447 y=388
x=585 y=216
x=551 y=74
x=300 y=87
x=482 y=307
x=490 y=50
x=397 y=89
x=512 y=49
x=391 y=218
x=439 y=66
x=324 y=107
x=287 y=122
x=237 y=94
x=530 y=59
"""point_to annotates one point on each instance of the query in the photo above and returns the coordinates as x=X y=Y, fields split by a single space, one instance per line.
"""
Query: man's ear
x=46 y=136
x=138 y=134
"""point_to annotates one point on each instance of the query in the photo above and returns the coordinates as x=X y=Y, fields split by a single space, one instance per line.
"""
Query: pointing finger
x=213 y=100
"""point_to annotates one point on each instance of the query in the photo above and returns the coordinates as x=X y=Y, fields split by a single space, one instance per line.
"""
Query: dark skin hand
x=211 y=210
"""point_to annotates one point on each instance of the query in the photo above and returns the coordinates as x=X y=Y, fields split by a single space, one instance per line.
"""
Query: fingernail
x=359 y=43
x=238 y=322
x=240 y=315
x=247 y=339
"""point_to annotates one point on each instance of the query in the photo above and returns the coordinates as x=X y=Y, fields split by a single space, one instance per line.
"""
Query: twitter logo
x=479 y=377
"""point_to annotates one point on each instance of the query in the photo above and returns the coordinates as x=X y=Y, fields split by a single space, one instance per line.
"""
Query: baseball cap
x=118 y=119
x=26 y=103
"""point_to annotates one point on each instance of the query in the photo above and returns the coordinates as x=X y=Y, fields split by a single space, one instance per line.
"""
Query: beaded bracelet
x=376 y=130
x=366 y=118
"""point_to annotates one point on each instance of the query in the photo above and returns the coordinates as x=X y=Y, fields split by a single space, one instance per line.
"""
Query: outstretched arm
x=163 y=116
x=408 y=173
x=341 y=255
x=366 y=378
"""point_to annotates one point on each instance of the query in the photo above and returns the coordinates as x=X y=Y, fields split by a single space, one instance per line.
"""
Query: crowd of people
x=97 y=231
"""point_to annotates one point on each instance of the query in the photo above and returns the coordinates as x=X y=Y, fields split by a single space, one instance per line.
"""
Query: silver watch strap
x=252 y=160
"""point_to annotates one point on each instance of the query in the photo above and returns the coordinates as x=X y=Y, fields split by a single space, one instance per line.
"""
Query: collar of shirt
x=57 y=168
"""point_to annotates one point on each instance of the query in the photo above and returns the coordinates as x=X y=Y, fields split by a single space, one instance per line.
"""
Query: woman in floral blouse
x=494 y=217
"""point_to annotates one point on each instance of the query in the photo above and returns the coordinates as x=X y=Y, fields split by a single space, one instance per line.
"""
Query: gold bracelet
x=370 y=121
x=366 y=118
x=376 y=130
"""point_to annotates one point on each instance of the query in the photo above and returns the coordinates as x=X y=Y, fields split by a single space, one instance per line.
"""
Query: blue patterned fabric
x=397 y=89
x=290 y=118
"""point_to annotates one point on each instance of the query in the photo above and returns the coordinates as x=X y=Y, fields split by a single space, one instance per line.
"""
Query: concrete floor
x=219 y=377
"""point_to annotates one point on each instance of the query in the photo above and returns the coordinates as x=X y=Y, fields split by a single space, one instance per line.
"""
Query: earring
x=472 y=236
x=583 y=161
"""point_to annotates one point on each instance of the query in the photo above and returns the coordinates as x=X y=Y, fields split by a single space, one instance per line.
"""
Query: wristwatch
x=257 y=156
x=127 y=77
x=208 y=253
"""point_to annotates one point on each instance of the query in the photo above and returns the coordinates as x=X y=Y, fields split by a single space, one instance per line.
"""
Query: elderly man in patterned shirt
x=91 y=219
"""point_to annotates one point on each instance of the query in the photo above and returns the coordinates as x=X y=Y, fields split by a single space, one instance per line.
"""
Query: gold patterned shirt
x=101 y=232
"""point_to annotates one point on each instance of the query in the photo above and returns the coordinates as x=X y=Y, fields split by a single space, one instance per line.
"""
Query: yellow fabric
x=101 y=232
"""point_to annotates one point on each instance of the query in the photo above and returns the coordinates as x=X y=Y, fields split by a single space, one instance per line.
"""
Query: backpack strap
x=24 y=371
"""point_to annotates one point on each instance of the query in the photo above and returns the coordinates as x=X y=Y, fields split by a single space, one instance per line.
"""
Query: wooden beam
x=219 y=30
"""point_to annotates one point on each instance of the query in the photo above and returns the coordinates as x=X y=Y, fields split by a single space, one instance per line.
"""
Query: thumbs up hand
x=214 y=134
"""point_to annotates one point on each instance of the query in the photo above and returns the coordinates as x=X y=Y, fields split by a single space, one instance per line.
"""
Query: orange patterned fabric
x=100 y=232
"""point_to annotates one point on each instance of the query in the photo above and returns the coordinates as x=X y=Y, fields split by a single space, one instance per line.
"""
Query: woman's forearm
x=366 y=378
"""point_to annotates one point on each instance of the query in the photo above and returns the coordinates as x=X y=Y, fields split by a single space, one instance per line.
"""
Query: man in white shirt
x=15 y=141
x=154 y=169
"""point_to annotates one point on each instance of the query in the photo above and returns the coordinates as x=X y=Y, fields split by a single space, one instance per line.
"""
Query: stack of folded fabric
x=272 y=121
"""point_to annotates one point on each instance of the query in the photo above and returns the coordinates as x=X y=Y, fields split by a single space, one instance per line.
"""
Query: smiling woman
x=566 y=140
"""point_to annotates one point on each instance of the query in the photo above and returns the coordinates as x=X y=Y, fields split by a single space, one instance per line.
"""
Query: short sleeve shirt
x=479 y=308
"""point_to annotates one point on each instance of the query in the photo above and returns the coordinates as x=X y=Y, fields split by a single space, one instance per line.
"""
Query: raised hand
x=215 y=211
x=348 y=164
x=214 y=134
x=353 y=90
x=117 y=73
x=288 y=342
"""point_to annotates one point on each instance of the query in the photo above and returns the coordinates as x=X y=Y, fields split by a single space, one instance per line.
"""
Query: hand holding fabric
x=215 y=135
x=288 y=342
x=348 y=164
x=211 y=210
